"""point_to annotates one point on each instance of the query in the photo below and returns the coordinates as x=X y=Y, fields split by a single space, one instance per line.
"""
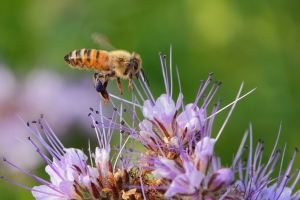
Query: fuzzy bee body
x=111 y=64
x=88 y=59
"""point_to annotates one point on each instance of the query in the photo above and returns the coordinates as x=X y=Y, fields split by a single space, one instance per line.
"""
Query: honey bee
x=113 y=64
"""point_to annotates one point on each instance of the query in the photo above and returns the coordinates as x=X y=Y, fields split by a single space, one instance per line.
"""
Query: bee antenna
x=145 y=77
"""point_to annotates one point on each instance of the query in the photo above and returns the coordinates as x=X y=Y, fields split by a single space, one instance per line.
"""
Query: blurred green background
x=252 y=41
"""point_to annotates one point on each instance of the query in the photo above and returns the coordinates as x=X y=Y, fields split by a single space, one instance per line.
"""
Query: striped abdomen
x=88 y=59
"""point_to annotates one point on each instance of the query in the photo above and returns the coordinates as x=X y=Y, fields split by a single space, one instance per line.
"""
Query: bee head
x=136 y=62
x=135 y=65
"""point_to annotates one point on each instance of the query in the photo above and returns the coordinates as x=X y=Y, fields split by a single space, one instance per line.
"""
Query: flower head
x=71 y=175
x=179 y=161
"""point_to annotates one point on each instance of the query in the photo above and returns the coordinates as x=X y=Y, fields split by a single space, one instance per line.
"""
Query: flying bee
x=113 y=64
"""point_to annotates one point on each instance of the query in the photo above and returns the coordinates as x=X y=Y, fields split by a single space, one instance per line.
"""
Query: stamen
x=282 y=186
x=124 y=121
x=226 y=120
x=28 y=188
x=164 y=73
x=295 y=181
x=180 y=89
x=232 y=103
x=171 y=76
x=137 y=89
x=202 y=89
x=147 y=92
x=289 y=167
x=215 y=91
x=211 y=121
x=167 y=77
x=42 y=181
x=239 y=153
x=129 y=102
x=57 y=141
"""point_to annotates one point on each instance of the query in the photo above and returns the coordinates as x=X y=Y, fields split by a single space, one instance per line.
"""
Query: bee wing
x=102 y=41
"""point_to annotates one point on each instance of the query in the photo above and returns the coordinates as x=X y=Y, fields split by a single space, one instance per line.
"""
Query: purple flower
x=71 y=175
x=179 y=160
x=68 y=174
x=257 y=179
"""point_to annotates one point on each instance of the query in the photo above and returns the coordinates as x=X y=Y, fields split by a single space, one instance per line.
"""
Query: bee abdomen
x=87 y=59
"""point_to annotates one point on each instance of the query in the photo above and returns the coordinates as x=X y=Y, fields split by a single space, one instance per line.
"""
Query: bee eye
x=135 y=64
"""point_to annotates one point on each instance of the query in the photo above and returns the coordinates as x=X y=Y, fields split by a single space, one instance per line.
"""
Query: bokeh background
x=255 y=42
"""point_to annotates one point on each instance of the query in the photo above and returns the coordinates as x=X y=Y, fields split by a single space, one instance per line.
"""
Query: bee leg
x=119 y=85
x=104 y=94
x=101 y=87
x=130 y=88
x=109 y=75
x=97 y=77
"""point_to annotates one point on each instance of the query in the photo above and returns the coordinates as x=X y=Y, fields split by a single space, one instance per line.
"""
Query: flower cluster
x=178 y=160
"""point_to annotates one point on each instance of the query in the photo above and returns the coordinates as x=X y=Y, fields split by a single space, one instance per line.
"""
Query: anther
x=92 y=126
x=296 y=149
x=4 y=159
x=220 y=83
x=96 y=122
x=92 y=109
x=27 y=123
x=41 y=115
x=97 y=112
x=89 y=114
x=115 y=109
x=33 y=122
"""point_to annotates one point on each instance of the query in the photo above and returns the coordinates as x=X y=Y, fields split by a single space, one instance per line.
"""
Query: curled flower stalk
x=178 y=160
